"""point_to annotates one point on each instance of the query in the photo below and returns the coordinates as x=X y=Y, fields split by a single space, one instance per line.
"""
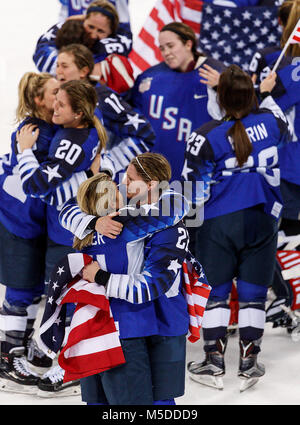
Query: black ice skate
x=250 y=370
x=212 y=369
x=38 y=360
x=16 y=376
x=52 y=385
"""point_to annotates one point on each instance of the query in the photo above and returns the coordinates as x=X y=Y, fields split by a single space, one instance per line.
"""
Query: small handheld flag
x=293 y=39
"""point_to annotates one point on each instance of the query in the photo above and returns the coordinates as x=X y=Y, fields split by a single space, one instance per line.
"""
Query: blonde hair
x=153 y=166
x=95 y=196
x=31 y=85
x=293 y=9
x=106 y=5
x=83 y=98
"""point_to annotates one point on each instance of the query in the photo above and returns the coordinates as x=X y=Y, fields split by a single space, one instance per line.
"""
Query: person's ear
x=38 y=101
x=152 y=185
x=84 y=72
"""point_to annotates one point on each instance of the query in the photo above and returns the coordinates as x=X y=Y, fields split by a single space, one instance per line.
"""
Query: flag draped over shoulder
x=93 y=344
x=233 y=34
x=197 y=291
x=145 y=52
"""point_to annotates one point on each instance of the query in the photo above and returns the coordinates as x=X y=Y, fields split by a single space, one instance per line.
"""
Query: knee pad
x=250 y=292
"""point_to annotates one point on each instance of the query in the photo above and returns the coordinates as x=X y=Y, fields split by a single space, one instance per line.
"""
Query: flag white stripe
x=93 y=345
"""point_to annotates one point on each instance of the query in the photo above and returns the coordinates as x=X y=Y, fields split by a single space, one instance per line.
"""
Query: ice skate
x=52 y=385
x=249 y=370
x=38 y=360
x=16 y=376
x=210 y=372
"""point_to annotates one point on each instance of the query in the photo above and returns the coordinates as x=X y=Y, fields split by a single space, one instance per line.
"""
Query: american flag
x=290 y=269
x=233 y=34
x=145 y=52
x=295 y=38
x=228 y=34
x=197 y=291
x=93 y=344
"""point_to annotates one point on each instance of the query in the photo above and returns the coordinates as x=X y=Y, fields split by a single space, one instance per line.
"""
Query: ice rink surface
x=23 y=21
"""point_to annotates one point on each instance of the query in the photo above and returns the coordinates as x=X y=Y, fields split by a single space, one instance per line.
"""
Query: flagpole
x=285 y=47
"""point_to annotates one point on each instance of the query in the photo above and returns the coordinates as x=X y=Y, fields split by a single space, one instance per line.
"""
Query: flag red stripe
x=140 y=62
x=296 y=38
x=150 y=41
x=97 y=362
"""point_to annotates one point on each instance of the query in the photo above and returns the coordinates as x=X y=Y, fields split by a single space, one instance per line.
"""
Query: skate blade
x=295 y=334
x=208 y=380
x=247 y=383
x=67 y=392
x=13 y=387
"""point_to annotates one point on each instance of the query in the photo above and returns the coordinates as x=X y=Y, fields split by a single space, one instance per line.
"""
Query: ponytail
x=102 y=134
x=236 y=96
x=241 y=142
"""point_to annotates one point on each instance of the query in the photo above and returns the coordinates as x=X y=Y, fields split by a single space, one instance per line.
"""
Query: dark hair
x=72 y=32
x=185 y=33
x=236 y=96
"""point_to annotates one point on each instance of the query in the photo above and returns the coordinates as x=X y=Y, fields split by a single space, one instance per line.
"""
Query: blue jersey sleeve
x=138 y=223
x=69 y=154
x=45 y=54
x=165 y=252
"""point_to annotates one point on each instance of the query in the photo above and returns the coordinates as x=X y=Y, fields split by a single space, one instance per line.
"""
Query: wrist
x=264 y=94
x=101 y=277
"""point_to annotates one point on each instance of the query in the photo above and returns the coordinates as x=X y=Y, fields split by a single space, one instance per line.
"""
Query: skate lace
x=21 y=366
x=55 y=374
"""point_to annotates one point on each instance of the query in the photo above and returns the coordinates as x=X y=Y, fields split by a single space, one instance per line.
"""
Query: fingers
x=109 y=227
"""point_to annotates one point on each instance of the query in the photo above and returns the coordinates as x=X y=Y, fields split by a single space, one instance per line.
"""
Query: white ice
x=23 y=21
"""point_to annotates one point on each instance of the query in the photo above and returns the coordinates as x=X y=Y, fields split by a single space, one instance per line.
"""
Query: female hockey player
x=23 y=235
x=237 y=160
x=100 y=30
x=287 y=95
x=129 y=133
x=171 y=94
x=152 y=316
x=72 y=150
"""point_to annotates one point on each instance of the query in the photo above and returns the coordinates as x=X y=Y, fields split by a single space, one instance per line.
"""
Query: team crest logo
x=145 y=84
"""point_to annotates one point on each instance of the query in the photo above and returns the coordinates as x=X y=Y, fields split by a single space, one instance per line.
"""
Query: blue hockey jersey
x=72 y=150
x=145 y=291
x=45 y=54
x=19 y=213
x=145 y=259
x=79 y=7
x=287 y=95
x=175 y=103
x=210 y=158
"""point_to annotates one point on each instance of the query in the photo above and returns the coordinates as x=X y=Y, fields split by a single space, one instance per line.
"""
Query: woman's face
x=175 y=53
x=67 y=70
x=63 y=113
x=97 y=26
x=135 y=185
x=50 y=90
